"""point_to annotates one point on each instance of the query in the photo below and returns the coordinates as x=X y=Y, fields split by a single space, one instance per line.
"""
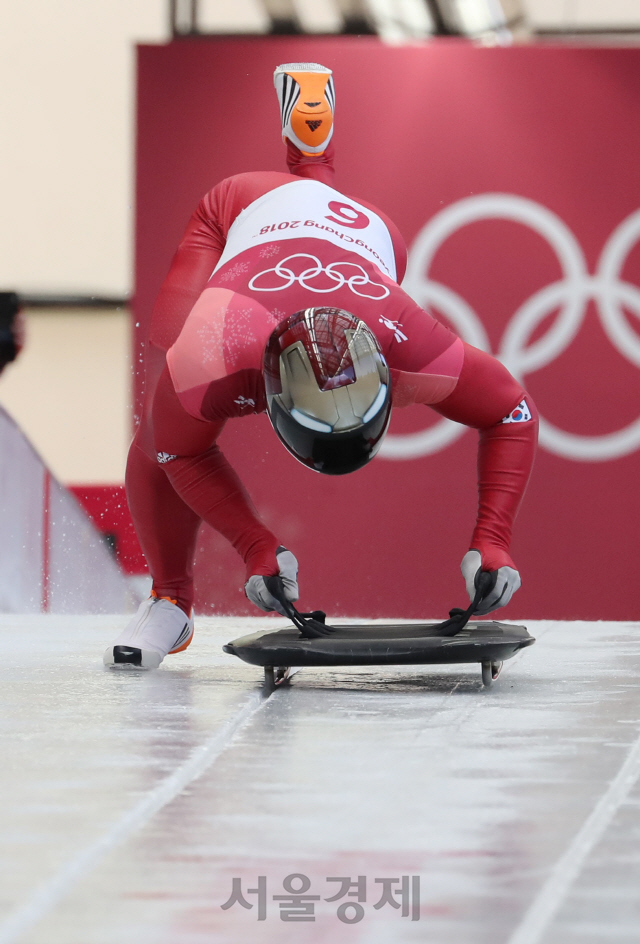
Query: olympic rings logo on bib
x=522 y=356
x=356 y=283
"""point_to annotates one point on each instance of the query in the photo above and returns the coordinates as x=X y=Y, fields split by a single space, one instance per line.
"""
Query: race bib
x=308 y=209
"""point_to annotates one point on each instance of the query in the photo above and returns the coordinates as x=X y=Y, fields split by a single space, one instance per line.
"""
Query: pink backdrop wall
x=513 y=176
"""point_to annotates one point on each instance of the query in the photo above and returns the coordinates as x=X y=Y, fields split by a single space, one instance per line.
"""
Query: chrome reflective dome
x=328 y=389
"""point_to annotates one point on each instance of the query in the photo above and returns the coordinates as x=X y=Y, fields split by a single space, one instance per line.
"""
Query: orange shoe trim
x=170 y=599
x=184 y=646
x=306 y=120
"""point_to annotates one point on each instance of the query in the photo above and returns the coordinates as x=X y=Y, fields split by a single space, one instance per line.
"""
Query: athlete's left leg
x=318 y=167
x=307 y=101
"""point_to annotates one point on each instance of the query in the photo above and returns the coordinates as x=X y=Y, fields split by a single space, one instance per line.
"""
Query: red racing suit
x=259 y=247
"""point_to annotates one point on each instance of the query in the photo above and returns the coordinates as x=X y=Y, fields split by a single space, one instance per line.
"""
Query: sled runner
x=311 y=642
x=489 y=643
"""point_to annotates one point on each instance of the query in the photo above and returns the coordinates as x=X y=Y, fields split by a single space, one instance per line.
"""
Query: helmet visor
x=328 y=389
x=332 y=453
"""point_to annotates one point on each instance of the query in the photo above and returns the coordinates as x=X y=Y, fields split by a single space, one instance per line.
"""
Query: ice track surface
x=130 y=800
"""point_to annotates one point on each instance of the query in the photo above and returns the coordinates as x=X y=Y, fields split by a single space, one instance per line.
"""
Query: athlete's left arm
x=484 y=397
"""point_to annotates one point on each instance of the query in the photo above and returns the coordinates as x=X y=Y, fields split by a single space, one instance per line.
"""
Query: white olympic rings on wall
x=570 y=294
x=359 y=279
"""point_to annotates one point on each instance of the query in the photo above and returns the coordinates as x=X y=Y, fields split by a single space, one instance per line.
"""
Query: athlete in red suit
x=259 y=247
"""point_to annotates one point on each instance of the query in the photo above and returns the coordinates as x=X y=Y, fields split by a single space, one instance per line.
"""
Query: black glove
x=256 y=586
x=500 y=591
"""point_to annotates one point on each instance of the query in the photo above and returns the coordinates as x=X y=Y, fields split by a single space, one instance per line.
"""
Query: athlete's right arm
x=207 y=483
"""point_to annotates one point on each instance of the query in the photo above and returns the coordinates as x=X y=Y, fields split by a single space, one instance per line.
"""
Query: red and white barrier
x=52 y=559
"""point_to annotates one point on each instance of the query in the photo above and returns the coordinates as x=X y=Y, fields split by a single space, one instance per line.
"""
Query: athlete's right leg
x=169 y=499
x=166 y=527
x=167 y=530
x=203 y=478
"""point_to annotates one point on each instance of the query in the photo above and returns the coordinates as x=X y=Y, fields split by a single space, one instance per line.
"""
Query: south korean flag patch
x=520 y=414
